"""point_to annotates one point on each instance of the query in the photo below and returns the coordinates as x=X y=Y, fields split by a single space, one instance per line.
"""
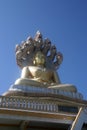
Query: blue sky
x=64 y=22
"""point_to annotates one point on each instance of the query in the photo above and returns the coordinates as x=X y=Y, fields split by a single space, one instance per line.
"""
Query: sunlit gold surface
x=40 y=75
x=39 y=59
x=39 y=72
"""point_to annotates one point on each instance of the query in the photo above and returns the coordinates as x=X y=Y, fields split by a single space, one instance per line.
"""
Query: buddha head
x=39 y=59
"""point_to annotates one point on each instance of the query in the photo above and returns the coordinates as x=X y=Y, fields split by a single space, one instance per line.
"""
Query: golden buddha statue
x=37 y=67
x=39 y=72
x=39 y=61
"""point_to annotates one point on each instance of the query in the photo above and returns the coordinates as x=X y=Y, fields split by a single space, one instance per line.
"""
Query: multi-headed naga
x=39 y=60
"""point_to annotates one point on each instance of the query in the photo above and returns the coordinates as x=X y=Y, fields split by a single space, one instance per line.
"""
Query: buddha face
x=39 y=59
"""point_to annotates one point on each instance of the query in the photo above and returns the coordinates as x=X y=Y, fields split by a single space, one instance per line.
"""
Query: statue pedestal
x=29 y=88
x=65 y=87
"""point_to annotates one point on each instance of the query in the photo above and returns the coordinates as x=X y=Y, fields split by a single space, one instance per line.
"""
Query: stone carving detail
x=26 y=51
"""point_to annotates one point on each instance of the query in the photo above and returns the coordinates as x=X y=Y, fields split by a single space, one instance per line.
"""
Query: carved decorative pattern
x=26 y=51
